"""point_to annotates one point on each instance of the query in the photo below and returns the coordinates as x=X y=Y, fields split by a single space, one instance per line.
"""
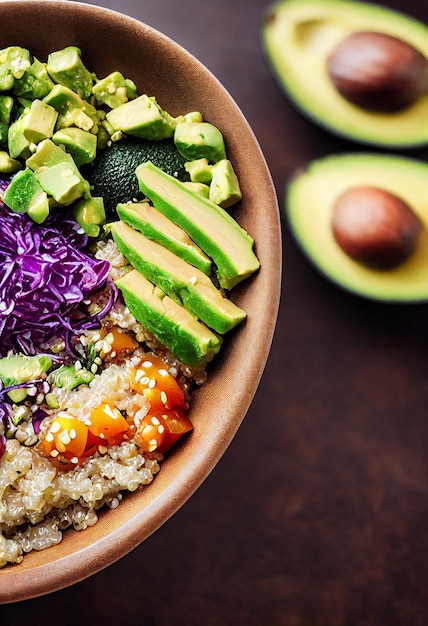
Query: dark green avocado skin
x=309 y=199
x=284 y=37
x=112 y=175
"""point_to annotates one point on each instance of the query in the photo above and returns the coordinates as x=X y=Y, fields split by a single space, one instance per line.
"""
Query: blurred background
x=317 y=514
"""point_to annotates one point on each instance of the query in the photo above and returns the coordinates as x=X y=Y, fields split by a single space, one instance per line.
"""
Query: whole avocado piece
x=311 y=197
x=112 y=174
x=297 y=39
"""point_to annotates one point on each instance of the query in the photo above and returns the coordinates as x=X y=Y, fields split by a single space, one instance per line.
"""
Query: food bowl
x=112 y=41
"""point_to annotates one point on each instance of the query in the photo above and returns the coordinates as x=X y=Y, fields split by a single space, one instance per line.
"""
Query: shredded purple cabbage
x=45 y=274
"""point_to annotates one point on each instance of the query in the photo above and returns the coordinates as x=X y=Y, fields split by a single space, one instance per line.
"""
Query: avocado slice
x=297 y=36
x=181 y=281
x=152 y=223
x=310 y=197
x=188 y=339
x=209 y=225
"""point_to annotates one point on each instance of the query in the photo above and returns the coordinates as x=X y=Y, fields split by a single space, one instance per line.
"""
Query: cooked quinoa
x=38 y=501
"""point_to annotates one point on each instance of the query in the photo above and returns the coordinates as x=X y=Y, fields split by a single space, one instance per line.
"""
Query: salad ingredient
x=199 y=140
x=142 y=117
x=210 y=226
x=182 y=282
x=200 y=171
x=53 y=276
x=67 y=68
x=26 y=195
x=144 y=217
x=224 y=188
x=298 y=37
x=157 y=385
x=81 y=144
x=310 y=202
x=69 y=376
x=114 y=90
x=57 y=173
x=377 y=71
x=90 y=214
x=187 y=338
x=375 y=227
x=112 y=175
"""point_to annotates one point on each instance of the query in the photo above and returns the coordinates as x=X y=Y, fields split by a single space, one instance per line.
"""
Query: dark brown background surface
x=317 y=515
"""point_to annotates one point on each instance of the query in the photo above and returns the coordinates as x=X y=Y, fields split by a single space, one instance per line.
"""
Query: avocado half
x=297 y=36
x=310 y=196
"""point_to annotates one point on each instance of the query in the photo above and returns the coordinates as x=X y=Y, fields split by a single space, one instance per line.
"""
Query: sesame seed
x=56 y=426
x=75 y=460
x=102 y=449
x=64 y=437
x=73 y=434
x=163 y=397
x=54 y=453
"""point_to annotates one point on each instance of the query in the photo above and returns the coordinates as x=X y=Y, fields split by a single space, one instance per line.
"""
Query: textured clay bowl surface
x=112 y=41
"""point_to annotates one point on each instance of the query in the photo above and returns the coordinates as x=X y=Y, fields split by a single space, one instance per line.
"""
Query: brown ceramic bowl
x=112 y=41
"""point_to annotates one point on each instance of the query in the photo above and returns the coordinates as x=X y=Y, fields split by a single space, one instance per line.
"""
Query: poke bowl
x=78 y=495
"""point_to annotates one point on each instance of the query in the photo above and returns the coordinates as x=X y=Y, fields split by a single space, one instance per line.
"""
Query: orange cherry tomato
x=64 y=441
x=177 y=424
x=159 y=431
x=158 y=386
x=122 y=341
x=150 y=433
x=108 y=424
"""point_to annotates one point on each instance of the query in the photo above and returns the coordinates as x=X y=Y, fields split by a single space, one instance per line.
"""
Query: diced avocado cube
x=63 y=99
x=78 y=118
x=224 y=188
x=189 y=340
x=35 y=83
x=39 y=122
x=18 y=144
x=18 y=368
x=66 y=68
x=200 y=188
x=7 y=164
x=68 y=377
x=90 y=214
x=184 y=283
x=114 y=90
x=62 y=182
x=24 y=194
x=73 y=110
x=6 y=106
x=209 y=225
x=81 y=144
x=200 y=171
x=199 y=140
x=156 y=226
x=142 y=117
x=14 y=62
x=57 y=173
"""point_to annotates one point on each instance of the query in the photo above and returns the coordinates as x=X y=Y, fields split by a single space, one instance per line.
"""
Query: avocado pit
x=375 y=227
x=378 y=72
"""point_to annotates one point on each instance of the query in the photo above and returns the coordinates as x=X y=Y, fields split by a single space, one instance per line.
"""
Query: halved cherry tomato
x=158 y=386
x=107 y=423
x=122 y=341
x=65 y=440
x=177 y=424
x=159 y=431
x=150 y=433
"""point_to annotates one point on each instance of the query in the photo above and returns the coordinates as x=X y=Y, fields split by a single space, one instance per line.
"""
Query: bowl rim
x=22 y=581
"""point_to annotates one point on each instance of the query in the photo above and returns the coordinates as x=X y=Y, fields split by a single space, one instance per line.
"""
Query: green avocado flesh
x=297 y=36
x=310 y=197
x=188 y=339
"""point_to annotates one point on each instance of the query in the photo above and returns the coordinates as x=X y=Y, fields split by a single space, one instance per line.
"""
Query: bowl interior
x=112 y=41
